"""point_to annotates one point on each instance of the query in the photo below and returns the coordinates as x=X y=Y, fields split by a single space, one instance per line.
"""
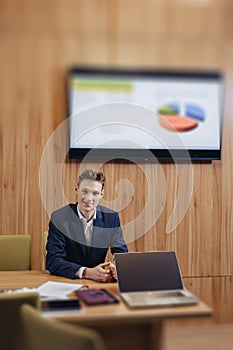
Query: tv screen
x=142 y=115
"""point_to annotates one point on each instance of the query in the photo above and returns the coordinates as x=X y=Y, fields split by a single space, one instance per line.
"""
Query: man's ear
x=76 y=187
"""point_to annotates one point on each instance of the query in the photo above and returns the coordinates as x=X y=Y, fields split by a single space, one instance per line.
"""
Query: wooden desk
x=120 y=327
x=207 y=337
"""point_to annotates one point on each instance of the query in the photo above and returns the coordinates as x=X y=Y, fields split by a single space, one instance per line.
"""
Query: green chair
x=15 y=252
x=49 y=334
x=11 y=330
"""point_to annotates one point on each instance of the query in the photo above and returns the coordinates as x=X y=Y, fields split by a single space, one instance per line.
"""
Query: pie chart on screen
x=181 y=118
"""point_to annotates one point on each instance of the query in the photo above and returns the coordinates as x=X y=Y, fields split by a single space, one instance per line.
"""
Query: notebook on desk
x=147 y=279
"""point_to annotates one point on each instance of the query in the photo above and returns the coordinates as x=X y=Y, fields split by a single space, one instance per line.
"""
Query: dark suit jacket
x=66 y=245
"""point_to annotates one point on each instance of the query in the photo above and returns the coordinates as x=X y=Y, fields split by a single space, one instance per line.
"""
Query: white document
x=49 y=290
x=57 y=289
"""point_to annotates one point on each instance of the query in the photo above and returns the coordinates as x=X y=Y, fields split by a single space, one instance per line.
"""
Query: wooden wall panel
x=39 y=40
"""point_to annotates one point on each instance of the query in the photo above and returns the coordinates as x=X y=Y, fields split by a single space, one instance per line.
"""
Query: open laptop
x=147 y=279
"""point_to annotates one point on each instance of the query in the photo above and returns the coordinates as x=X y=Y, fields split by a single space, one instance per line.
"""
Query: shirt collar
x=82 y=217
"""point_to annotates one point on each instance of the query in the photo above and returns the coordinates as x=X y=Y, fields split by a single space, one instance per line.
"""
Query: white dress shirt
x=88 y=229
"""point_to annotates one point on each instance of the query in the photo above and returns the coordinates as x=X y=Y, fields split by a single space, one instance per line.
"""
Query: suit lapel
x=79 y=235
x=97 y=229
x=98 y=235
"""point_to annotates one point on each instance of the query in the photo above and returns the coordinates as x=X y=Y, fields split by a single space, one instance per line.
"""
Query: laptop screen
x=148 y=271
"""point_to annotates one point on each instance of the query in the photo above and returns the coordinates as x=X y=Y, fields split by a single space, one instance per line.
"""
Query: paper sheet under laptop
x=147 y=279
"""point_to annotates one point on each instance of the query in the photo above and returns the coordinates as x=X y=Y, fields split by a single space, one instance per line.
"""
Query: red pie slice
x=177 y=123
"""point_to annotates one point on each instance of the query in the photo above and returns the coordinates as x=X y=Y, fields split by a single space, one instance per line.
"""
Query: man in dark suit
x=80 y=234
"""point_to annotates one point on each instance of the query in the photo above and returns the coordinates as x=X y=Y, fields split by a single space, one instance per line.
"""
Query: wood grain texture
x=199 y=337
x=39 y=41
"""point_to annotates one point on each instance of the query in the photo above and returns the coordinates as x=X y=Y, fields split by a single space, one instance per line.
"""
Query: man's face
x=89 y=194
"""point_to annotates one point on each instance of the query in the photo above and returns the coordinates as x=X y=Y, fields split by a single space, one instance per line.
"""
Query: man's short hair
x=90 y=174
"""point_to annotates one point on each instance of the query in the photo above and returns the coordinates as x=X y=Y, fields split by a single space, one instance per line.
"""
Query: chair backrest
x=49 y=334
x=15 y=252
x=44 y=237
x=11 y=330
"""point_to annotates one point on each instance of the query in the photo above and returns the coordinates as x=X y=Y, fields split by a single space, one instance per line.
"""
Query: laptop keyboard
x=167 y=294
x=144 y=295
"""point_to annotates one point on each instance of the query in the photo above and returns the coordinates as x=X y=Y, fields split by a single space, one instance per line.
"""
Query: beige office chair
x=49 y=334
x=15 y=252
x=11 y=330
x=44 y=238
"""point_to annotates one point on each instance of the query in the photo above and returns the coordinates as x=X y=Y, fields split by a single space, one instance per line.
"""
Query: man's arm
x=56 y=261
x=118 y=244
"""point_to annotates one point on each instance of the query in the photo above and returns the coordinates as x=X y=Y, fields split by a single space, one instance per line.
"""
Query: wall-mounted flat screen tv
x=141 y=115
